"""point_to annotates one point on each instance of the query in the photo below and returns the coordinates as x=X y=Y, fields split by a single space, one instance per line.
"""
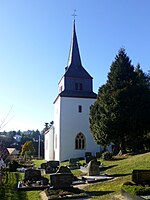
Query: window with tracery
x=80 y=141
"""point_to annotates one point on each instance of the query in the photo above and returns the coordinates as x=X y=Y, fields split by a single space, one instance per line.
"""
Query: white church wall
x=49 y=144
x=72 y=123
x=57 y=106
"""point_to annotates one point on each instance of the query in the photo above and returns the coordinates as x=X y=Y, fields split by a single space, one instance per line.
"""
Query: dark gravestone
x=59 y=180
x=98 y=154
x=32 y=175
x=44 y=181
x=63 y=178
x=88 y=154
x=93 y=168
x=89 y=158
x=64 y=170
x=74 y=162
x=53 y=163
x=141 y=177
x=52 y=166
x=43 y=165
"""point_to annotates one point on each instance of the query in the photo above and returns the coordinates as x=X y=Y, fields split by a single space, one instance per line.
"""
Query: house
x=13 y=153
x=70 y=135
x=17 y=137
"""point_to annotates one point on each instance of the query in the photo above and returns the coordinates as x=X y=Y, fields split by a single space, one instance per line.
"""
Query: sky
x=35 y=38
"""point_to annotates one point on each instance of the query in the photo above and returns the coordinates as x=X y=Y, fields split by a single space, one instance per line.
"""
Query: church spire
x=74 y=55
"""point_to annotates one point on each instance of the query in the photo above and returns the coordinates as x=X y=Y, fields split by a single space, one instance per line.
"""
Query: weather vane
x=74 y=14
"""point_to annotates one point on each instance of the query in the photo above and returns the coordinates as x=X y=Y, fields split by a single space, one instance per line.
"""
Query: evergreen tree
x=116 y=113
x=141 y=110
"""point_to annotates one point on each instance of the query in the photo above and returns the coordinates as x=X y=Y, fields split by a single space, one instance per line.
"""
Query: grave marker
x=141 y=177
x=93 y=168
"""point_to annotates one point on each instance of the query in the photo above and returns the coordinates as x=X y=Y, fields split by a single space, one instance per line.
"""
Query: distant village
x=11 y=142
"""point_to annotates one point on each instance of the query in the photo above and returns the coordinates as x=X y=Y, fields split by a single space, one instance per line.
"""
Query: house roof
x=12 y=151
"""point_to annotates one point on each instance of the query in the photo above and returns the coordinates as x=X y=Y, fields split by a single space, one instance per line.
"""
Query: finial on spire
x=74 y=14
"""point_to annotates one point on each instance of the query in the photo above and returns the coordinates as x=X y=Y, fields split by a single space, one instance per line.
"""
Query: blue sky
x=35 y=37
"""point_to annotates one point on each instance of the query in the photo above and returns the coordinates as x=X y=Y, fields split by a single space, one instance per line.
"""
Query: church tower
x=71 y=134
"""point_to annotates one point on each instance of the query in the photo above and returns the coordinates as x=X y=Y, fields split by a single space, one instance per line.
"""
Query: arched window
x=80 y=141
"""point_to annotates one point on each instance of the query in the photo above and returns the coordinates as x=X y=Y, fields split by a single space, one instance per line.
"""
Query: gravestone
x=53 y=163
x=63 y=178
x=44 y=181
x=93 y=168
x=98 y=154
x=141 y=177
x=88 y=154
x=74 y=162
x=43 y=165
x=64 y=170
x=32 y=175
x=89 y=158
x=52 y=166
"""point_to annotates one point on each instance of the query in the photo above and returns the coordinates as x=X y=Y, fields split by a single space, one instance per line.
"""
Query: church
x=70 y=135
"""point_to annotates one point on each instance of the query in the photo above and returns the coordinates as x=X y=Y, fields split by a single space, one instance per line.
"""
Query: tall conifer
x=116 y=113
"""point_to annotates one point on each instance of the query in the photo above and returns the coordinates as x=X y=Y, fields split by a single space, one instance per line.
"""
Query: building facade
x=70 y=135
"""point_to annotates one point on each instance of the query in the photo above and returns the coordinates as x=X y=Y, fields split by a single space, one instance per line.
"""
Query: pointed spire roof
x=74 y=55
x=75 y=74
x=74 y=66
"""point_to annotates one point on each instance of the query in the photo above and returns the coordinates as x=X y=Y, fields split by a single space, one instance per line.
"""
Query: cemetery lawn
x=39 y=162
x=120 y=168
x=8 y=190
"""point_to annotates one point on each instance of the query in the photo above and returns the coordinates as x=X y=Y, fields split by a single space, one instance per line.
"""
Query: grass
x=39 y=162
x=120 y=168
x=134 y=189
x=8 y=188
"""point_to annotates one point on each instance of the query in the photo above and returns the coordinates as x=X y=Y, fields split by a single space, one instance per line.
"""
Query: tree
x=141 y=108
x=35 y=135
x=116 y=112
x=27 y=148
x=98 y=118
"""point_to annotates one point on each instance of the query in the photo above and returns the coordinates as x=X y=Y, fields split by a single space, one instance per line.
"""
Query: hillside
x=121 y=169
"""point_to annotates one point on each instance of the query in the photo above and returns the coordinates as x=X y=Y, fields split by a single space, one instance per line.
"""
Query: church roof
x=78 y=94
x=76 y=74
x=74 y=67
